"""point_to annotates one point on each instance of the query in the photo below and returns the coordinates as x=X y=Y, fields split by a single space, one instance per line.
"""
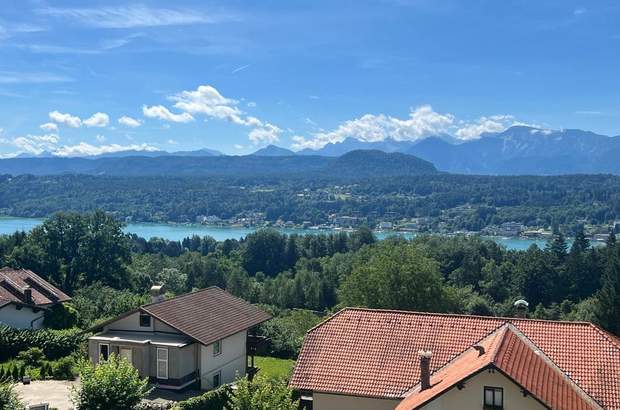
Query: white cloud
x=12 y=77
x=86 y=149
x=251 y=104
x=99 y=119
x=422 y=122
x=267 y=133
x=208 y=101
x=172 y=142
x=495 y=123
x=238 y=146
x=100 y=138
x=129 y=122
x=66 y=119
x=161 y=112
x=130 y=16
x=36 y=144
x=49 y=127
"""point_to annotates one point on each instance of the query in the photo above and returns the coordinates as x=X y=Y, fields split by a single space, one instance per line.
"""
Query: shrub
x=213 y=400
x=113 y=384
x=263 y=394
x=9 y=400
x=62 y=369
x=61 y=316
x=31 y=357
x=54 y=343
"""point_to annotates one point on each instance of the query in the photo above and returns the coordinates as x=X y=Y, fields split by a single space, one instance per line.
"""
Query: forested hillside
x=461 y=202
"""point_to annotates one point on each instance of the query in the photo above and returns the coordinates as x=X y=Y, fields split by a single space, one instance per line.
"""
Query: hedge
x=54 y=343
x=212 y=400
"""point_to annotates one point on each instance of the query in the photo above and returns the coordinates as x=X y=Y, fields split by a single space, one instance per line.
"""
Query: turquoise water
x=179 y=231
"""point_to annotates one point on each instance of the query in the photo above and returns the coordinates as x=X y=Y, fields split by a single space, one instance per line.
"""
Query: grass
x=274 y=367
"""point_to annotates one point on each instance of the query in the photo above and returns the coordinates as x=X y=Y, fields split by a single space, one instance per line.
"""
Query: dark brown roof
x=13 y=283
x=509 y=351
x=374 y=353
x=207 y=315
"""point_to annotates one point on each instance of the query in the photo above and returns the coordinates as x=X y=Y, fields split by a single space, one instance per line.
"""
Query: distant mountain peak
x=273 y=151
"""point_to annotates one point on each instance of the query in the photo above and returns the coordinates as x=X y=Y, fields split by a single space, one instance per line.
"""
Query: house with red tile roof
x=197 y=339
x=25 y=297
x=380 y=359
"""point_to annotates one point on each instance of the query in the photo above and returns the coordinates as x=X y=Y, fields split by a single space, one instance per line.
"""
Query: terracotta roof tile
x=14 y=281
x=374 y=353
x=513 y=354
x=207 y=315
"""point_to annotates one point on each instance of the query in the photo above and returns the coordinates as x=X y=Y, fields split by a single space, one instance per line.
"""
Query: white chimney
x=157 y=293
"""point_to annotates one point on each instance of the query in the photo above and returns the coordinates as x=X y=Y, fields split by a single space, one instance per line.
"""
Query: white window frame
x=100 y=355
x=219 y=344
x=160 y=376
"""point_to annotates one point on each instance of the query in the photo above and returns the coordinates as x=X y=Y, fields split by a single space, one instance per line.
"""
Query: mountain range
x=516 y=151
x=354 y=164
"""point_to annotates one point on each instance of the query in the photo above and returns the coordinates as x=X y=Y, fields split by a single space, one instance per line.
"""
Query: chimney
x=425 y=369
x=157 y=293
x=521 y=308
x=28 y=296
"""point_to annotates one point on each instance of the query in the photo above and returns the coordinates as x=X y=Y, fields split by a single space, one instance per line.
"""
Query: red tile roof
x=207 y=315
x=509 y=351
x=374 y=353
x=13 y=282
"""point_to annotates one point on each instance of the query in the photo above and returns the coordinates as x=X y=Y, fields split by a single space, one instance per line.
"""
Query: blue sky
x=81 y=77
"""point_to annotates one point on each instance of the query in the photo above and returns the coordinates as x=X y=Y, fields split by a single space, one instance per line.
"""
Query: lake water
x=179 y=231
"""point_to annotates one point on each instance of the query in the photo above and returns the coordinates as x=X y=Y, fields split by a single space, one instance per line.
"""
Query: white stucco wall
x=22 y=318
x=132 y=323
x=471 y=397
x=324 y=401
x=231 y=361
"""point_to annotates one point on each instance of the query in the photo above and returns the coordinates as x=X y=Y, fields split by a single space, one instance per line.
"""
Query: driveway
x=54 y=392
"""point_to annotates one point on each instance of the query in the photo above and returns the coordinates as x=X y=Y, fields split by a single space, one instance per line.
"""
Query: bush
x=263 y=394
x=31 y=357
x=61 y=316
x=9 y=400
x=286 y=331
x=113 y=384
x=213 y=400
x=62 y=369
x=54 y=343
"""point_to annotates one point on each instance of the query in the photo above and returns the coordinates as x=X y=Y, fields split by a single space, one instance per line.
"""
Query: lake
x=177 y=232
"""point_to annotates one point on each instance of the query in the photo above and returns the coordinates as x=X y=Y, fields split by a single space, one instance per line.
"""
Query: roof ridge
x=614 y=340
x=181 y=296
x=545 y=358
x=506 y=318
x=330 y=317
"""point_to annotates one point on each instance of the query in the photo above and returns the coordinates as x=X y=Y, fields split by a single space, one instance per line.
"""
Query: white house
x=25 y=297
x=197 y=338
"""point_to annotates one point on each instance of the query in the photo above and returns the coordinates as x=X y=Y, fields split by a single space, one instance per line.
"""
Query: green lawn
x=274 y=367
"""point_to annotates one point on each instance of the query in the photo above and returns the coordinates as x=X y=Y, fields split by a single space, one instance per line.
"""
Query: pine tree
x=608 y=313
x=558 y=247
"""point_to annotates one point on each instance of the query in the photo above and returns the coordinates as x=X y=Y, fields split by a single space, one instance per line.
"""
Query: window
x=145 y=320
x=493 y=398
x=217 y=348
x=104 y=351
x=127 y=354
x=162 y=363
x=217 y=379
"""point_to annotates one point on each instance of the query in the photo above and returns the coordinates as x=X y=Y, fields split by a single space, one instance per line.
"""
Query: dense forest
x=460 y=201
x=303 y=278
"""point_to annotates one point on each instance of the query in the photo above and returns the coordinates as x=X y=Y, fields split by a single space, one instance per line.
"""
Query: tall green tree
x=394 y=277
x=608 y=314
x=264 y=252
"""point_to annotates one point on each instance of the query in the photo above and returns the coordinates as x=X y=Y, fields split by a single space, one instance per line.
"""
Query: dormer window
x=493 y=398
x=145 y=320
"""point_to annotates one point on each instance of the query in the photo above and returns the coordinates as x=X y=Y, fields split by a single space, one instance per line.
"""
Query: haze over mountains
x=516 y=151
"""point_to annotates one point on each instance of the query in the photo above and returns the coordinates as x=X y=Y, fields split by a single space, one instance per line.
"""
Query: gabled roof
x=374 y=353
x=510 y=352
x=13 y=283
x=207 y=315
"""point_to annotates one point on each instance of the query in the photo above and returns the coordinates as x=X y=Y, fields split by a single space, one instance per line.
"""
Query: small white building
x=197 y=339
x=25 y=297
